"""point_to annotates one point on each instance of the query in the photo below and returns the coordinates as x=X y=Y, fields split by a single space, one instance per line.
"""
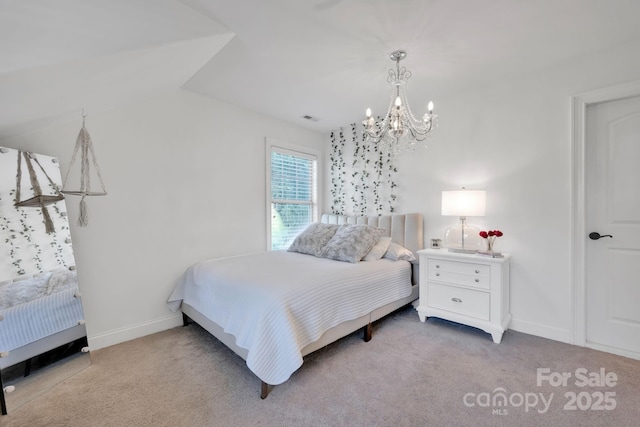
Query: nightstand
x=465 y=288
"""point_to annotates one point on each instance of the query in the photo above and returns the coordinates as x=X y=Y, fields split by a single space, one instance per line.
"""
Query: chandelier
x=399 y=130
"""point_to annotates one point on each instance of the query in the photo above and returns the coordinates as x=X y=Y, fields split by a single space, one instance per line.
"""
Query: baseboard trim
x=544 y=331
x=128 y=333
x=613 y=350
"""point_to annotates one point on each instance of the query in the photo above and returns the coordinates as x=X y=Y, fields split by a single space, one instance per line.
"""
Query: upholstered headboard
x=404 y=229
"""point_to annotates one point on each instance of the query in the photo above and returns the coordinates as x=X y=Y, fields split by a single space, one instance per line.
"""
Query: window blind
x=293 y=195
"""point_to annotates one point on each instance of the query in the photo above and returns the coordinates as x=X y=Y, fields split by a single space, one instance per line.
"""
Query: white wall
x=514 y=140
x=186 y=181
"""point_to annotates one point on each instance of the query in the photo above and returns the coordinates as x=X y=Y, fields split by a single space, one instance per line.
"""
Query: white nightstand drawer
x=467 y=274
x=459 y=300
x=459 y=267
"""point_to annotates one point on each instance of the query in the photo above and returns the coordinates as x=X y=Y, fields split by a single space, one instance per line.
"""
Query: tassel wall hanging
x=87 y=158
x=39 y=199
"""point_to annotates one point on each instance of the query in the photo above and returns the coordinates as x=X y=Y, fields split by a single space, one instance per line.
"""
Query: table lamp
x=463 y=237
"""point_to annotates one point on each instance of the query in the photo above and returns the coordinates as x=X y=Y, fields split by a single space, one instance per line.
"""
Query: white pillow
x=378 y=250
x=351 y=242
x=397 y=252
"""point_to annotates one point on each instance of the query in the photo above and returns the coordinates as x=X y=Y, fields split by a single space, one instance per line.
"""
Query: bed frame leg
x=27 y=367
x=3 y=403
x=367 y=332
x=264 y=390
x=185 y=320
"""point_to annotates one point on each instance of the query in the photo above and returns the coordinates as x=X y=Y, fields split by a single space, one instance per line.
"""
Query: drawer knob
x=437 y=274
x=477 y=280
x=477 y=271
x=458 y=300
x=437 y=265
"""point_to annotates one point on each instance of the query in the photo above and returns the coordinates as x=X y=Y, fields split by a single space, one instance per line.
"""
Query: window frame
x=273 y=144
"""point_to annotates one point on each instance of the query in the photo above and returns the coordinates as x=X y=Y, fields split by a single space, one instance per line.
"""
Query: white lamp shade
x=464 y=203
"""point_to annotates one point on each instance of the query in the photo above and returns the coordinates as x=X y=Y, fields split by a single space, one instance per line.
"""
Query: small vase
x=489 y=245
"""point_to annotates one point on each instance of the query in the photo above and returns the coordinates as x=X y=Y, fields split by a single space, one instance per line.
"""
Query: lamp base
x=463 y=251
x=463 y=238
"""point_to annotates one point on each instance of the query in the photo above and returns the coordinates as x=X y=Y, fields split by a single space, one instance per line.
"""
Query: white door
x=613 y=208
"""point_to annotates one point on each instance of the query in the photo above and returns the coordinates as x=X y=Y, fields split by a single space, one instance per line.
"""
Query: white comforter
x=275 y=303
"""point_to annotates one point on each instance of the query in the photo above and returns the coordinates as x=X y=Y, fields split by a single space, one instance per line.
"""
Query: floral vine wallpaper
x=363 y=177
x=26 y=248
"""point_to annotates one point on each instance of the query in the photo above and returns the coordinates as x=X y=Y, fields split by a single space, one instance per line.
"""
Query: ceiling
x=285 y=58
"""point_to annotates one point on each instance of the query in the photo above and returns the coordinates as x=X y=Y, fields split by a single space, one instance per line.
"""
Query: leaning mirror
x=43 y=338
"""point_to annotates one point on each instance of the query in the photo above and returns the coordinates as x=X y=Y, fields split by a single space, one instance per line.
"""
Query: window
x=292 y=192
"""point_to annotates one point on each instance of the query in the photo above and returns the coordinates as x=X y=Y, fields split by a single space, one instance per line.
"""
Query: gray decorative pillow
x=313 y=238
x=398 y=252
x=351 y=242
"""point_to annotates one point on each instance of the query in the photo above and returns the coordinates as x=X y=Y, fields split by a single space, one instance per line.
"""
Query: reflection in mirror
x=42 y=332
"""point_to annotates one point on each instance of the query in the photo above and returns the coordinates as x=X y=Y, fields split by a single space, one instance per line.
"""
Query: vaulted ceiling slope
x=284 y=58
x=60 y=57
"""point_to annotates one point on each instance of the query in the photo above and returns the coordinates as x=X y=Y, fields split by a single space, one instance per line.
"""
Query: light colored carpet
x=41 y=380
x=409 y=374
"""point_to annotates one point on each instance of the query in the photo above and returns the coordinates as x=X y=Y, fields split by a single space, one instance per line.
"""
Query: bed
x=55 y=297
x=39 y=313
x=291 y=303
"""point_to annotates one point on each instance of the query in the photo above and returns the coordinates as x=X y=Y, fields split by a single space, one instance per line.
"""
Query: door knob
x=595 y=235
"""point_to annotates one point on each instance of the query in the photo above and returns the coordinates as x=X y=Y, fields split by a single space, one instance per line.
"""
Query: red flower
x=491 y=233
x=490 y=236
